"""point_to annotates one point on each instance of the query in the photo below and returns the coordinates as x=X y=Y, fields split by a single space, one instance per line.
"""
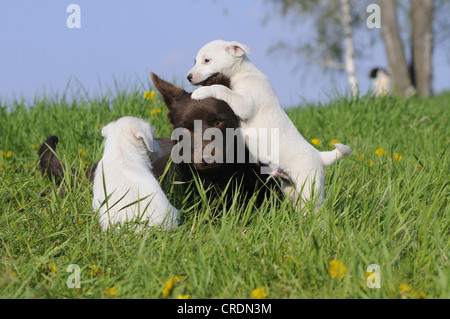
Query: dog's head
x=131 y=134
x=195 y=117
x=216 y=57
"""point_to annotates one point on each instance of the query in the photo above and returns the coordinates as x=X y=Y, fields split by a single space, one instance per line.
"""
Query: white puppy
x=132 y=192
x=254 y=102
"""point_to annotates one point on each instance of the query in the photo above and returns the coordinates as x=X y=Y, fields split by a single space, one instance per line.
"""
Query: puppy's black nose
x=189 y=77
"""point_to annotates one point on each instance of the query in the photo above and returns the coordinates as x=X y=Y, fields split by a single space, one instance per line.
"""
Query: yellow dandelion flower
x=337 y=268
x=51 y=267
x=315 y=141
x=111 y=292
x=407 y=291
x=259 y=293
x=187 y=296
x=370 y=163
x=82 y=153
x=397 y=157
x=8 y=154
x=334 y=142
x=419 y=166
x=169 y=286
x=379 y=151
x=154 y=112
x=95 y=271
x=149 y=95
x=422 y=295
x=404 y=289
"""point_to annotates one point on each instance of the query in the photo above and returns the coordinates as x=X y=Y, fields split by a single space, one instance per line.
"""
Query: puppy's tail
x=49 y=164
x=339 y=153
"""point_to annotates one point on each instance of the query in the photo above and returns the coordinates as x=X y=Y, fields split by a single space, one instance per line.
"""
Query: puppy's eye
x=207 y=60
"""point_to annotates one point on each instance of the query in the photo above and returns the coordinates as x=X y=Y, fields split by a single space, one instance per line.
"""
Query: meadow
x=386 y=205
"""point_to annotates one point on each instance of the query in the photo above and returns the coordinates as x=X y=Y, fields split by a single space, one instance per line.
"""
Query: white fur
x=126 y=169
x=254 y=102
x=382 y=83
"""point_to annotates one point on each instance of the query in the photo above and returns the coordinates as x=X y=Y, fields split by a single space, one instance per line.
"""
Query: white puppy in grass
x=125 y=189
x=254 y=102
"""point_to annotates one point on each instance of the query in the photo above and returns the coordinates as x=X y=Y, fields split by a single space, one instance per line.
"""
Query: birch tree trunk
x=394 y=49
x=349 y=48
x=422 y=45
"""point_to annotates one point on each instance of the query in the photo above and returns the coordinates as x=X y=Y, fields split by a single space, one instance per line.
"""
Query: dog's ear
x=146 y=133
x=237 y=49
x=373 y=73
x=168 y=91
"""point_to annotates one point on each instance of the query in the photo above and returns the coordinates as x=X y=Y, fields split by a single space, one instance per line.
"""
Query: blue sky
x=125 y=40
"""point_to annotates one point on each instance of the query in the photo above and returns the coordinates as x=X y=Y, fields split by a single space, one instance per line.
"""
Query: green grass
x=377 y=211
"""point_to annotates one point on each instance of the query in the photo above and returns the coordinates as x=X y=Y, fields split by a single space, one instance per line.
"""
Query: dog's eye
x=219 y=122
x=207 y=60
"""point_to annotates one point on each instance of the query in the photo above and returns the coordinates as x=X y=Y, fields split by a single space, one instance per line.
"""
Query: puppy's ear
x=168 y=91
x=237 y=49
x=373 y=73
x=145 y=133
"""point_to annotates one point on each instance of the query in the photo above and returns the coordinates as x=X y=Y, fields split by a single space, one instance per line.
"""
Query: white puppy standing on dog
x=254 y=102
x=125 y=170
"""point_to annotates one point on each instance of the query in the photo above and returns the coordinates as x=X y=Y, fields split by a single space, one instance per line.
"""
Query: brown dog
x=213 y=113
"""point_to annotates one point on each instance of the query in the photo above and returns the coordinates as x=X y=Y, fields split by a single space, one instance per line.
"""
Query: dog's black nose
x=189 y=77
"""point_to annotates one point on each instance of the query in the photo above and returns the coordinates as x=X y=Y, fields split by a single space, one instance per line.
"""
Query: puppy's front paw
x=202 y=93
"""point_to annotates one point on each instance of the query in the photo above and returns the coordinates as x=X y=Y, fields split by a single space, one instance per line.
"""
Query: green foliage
x=380 y=209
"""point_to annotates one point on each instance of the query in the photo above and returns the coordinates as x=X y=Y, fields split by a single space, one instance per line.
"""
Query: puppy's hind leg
x=309 y=193
x=289 y=190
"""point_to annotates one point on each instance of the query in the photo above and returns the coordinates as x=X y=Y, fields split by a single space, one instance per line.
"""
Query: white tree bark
x=349 y=48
